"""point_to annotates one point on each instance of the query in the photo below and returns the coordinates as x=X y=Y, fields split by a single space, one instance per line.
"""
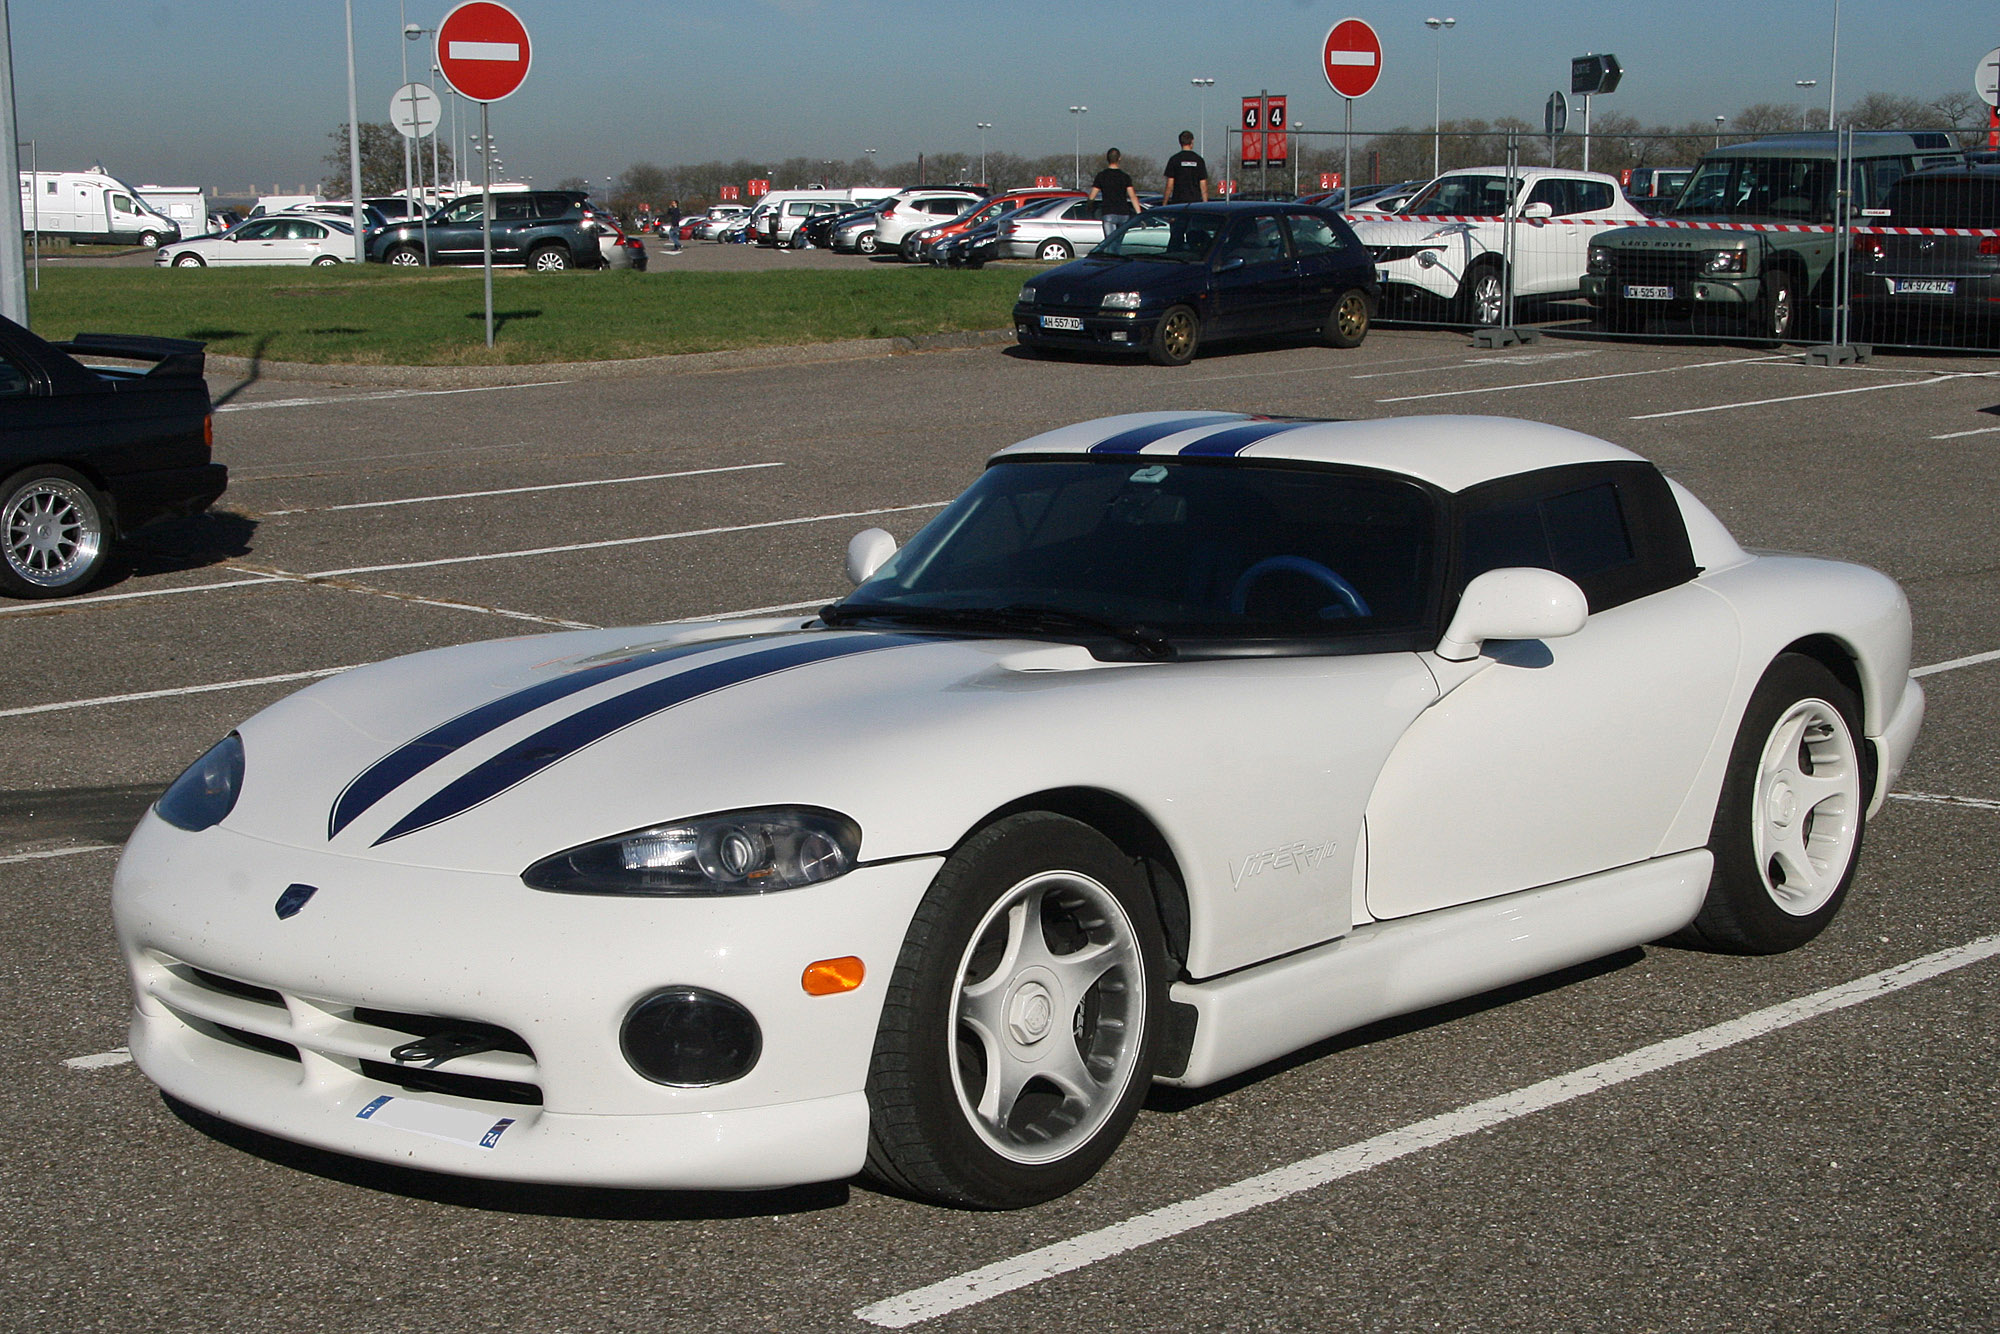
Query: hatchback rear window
x=1946 y=201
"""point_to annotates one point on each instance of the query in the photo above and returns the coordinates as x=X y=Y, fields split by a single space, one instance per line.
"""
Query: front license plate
x=1382 y=276
x=1649 y=293
x=1069 y=322
x=1923 y=286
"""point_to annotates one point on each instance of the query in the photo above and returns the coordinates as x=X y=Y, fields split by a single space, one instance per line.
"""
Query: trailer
x=92 y=207
x=185 y=206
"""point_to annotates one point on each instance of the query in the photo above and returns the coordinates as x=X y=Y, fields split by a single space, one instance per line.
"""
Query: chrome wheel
x=54 y=532
x=1484 y=295
x=865 y=243
x=1779 y=309
x=1807 y=818
x=406 y=257
x=549 y=259
x=1048 y=1017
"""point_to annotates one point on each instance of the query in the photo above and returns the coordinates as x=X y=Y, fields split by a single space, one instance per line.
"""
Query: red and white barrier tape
x=1823 y=228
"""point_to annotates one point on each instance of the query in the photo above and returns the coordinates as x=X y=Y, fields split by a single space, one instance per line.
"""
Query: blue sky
x=231 y=93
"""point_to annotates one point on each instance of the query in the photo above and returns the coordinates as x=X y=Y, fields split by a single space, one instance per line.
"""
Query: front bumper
x=287 y=1025
x=1109 y=331
x=1681 y=293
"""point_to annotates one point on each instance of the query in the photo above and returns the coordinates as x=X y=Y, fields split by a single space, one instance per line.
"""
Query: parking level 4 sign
x=483 y=50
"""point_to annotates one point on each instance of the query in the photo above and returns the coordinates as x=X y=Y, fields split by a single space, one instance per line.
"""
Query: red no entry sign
x=1352 y=57
x=483 y=50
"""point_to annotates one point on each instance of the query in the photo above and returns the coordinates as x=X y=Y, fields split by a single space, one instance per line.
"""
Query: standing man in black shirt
x=1187 y=174
x=1112 y=188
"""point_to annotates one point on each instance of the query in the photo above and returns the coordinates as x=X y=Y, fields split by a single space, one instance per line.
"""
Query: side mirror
x=1232 y=262
x=867 y=552
x=1515 y=603
x=1537 y=211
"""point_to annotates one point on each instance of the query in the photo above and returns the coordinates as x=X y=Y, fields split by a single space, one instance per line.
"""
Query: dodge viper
x=1181 y=740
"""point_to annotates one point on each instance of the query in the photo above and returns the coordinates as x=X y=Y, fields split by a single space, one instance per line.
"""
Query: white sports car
x=1180 y=741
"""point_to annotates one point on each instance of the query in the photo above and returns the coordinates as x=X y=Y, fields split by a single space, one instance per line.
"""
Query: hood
x=1084 y=281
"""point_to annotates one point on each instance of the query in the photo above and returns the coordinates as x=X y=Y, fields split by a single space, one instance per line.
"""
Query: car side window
x=1313 y=235
x=1614 y=529
x=13 y=380
x=469 y=211
x=1591 y=196
x=515 y=209
x=259 y=231
x=1254 y=240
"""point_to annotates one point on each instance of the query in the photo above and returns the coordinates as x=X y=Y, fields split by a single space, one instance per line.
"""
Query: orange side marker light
x=831 y=977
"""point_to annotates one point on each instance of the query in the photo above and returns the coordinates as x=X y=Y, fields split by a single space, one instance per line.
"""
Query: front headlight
x=1120 y=301
x=1600 y=261
x=206 y=791
x=1028 y=295
x=734 y=852
x=1725 y=261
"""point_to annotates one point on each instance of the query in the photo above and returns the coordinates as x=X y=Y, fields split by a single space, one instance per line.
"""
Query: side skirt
x=1389 y=968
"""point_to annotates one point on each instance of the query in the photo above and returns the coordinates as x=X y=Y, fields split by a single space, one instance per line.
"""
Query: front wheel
x=1347 y=324
x=865 y=243
x=1175 y=337
x=1054 y=251
x=1778 y=312
x=406 y=257
x=1787 y=832
x=1019 y=1030
x=150 y=240
x=325 y=262
x=189 y=261
x=1481 y=297
x=53 y=527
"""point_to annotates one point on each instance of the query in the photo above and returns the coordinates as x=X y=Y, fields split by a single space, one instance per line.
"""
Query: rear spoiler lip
x=172 y=356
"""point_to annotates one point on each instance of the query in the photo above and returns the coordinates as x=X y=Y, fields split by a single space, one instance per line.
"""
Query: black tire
x=1778 y=310
x=404 y=257
x=1788 y=827
x=1176 y=338
x=1036 y=953
x=325 y=262
x=1482 y=296
x=54 y=533
x=1055 y=250
x=865 y=243
x=1348 y=322
x=190 y=261
x=548 y=259
x=150 y=240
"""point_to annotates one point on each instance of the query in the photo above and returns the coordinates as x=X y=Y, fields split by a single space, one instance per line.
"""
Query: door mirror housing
x=868 y=551
x=1537 y=211
x=1514 y=603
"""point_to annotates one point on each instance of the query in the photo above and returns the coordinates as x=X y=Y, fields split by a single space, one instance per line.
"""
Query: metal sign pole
x=1347 y=160
x=486 y=213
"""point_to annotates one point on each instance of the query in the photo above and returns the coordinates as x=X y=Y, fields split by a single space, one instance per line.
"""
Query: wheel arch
x=1844 y=662
x=1136 y=834
x=100 y=483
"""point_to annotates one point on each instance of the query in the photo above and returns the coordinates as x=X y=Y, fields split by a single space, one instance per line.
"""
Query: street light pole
x=1077 y=165
x=1438 y=27
x=871 y=166
x=1802 y=85
x=984 y=126
x=1719 y=122
x=1202 y=86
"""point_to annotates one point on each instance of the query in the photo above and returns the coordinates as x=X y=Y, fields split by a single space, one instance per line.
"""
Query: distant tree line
x=381 y=162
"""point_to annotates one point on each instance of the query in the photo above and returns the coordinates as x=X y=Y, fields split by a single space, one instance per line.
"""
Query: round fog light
x=690 y=1038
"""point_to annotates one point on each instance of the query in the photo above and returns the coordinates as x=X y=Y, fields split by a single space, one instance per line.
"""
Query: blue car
x=1173 y=278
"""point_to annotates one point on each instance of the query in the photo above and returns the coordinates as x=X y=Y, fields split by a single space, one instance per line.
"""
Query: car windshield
x=1472 y=196
x=1182 y=238
x=1184 y=552
x=1797 y=189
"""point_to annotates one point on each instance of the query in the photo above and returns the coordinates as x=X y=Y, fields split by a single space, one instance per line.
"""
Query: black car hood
x=1084 y=281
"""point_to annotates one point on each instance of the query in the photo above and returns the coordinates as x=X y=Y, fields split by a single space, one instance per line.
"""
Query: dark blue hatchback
x=1173 y=278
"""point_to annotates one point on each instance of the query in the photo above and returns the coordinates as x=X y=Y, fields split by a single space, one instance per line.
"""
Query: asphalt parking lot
x=1828 y=1166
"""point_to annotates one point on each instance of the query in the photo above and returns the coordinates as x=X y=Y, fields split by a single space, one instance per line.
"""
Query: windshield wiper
x=1016 y=617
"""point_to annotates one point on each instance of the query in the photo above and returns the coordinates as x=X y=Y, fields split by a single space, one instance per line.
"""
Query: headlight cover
x=1120 y=301
x=1725 y=261
x=206 y=791
x=1600 y=261
x=734 y=852
x=1028 y=295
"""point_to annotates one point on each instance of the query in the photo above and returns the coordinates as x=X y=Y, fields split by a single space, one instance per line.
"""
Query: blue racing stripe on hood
x=524 y=759
x=407 y=761
x=1235 y=439
x=1138 y=437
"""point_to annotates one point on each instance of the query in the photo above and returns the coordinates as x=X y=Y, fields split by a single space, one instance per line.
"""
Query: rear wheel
x=1787 y=832
x=325 y=262
x=548 y=259
x=1347 y=324
x=1176 y=337
x=54 y=532
x=1054 y=250
x=1018 y=1035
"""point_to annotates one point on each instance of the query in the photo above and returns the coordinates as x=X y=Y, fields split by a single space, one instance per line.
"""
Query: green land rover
x=1767 y=279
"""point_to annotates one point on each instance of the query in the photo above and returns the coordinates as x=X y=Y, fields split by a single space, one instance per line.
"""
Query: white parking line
x=49 y=608
x=1960 y=435
x=1800 y=398
x=1941 y=799
x=1524 y=359
x=1020 y=1271
x=331 y=399
x=13 y=857
x=101 y=1061
x=1972 y=660
x=520 y=490
x=1580 y=379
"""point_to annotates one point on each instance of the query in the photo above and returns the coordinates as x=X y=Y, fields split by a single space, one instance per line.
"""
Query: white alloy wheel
x=1808 y=815
x=54 y=532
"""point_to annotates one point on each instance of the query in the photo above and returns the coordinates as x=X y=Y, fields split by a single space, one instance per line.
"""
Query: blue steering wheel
x=1351 y=602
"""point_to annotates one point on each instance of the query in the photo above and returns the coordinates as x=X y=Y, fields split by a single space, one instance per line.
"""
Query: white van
x=90 y=206
x=185 y=206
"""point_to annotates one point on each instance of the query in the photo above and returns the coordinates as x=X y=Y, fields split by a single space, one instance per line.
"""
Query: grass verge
x=380 y=316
